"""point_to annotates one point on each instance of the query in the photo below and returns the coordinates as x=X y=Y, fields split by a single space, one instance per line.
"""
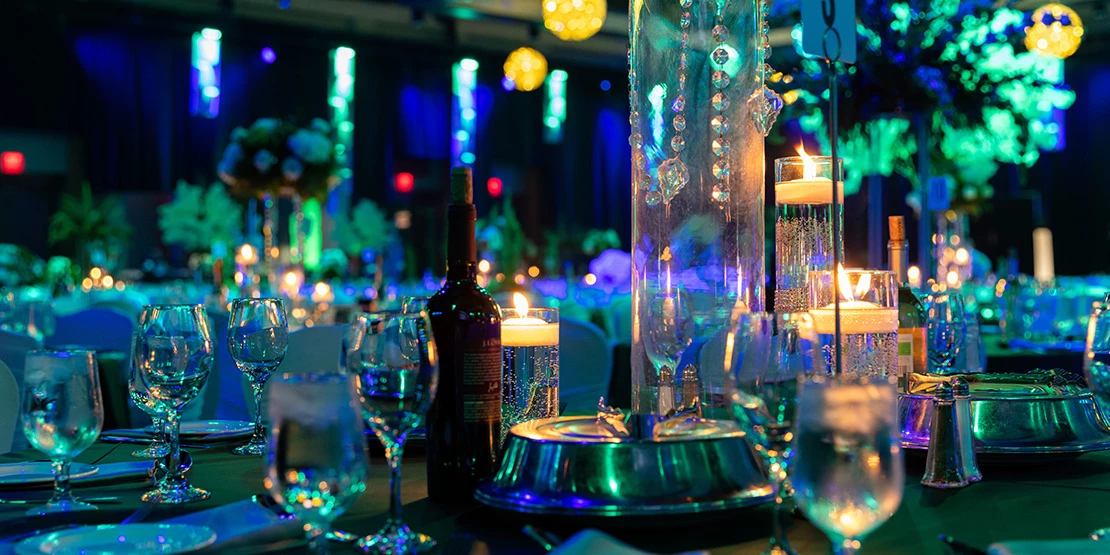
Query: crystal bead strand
x=673 y=173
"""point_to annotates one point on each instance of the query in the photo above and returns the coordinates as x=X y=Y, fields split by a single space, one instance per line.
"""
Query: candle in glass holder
x=530 y=364
x=804 y=239
x=868 y=321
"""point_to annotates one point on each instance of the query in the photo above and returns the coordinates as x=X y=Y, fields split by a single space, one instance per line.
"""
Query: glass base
x=63 y=506
x=251 y=449
x=154 y=451
x=396 y=539
x=175 y=494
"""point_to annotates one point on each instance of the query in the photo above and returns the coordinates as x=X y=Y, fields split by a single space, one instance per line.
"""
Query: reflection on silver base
x=1012 y=418
x=573 y=466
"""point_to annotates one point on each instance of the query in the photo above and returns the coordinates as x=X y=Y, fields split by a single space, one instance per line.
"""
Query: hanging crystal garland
x=673 y=173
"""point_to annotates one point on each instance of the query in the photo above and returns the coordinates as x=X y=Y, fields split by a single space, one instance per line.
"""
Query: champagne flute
x=848 y=471
x=316 y=463
x=258 y=336
x=173 y=355
x=158 y=447
x=394 y=357
x=62 y=416
x=946 y=326
x=765 y=355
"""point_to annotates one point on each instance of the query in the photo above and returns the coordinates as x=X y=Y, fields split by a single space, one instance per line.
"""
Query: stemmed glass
x=258 y=336
x=765 y=355
x=946 y=326
x=62 y=416
x=316 y=463
x=173 y=355
x=394 y=357
x=848 y=471
x=158 y=447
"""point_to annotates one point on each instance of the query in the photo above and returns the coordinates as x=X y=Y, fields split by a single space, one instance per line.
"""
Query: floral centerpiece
x=277 y=157
x=199 y=217
x=961 y=67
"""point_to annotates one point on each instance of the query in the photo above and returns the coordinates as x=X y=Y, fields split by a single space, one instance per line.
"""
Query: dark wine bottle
x=911 y=312
x=464 y=422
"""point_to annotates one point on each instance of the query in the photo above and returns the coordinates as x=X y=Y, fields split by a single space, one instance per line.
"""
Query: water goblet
x=173 y=356
x=316 y=463
x=62 y=415
x=848 y=470
x=946 y=326
x=765 y=355
x=394 y=358
x=258 y=336
x=1096 y=355
x=158 y=447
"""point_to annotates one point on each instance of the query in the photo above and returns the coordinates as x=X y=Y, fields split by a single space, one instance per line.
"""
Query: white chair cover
x=585 y=365
x=9 y=408
x=312 y=349
x=13 y=353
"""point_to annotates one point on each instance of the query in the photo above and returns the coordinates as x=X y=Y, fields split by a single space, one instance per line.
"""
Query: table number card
x=829 y=29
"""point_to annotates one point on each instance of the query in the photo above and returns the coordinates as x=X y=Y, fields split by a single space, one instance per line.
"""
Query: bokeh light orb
x=527 y=68
x=1056 y=31
x=574 y=19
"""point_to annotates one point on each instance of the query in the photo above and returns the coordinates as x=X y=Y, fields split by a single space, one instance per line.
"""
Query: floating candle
x=523 y=330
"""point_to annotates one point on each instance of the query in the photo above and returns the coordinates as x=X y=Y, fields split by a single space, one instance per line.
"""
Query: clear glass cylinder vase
x=699 y=114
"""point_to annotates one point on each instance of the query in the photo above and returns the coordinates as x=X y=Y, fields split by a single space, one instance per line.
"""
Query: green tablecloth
x=1054 y=499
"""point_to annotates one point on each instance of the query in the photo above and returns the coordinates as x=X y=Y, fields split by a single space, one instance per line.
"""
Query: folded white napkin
x=590 y=542
x=1050 y=547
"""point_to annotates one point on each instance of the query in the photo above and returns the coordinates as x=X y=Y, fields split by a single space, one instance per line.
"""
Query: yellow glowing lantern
x=527 y=68
x=574 y=19
x=1056 y=31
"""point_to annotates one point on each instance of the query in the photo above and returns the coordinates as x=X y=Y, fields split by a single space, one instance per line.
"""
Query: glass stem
x=317 y=539
x=61 y=481
x=173 y=459
x=779 y=544
x=394 y=452
x=258 y=388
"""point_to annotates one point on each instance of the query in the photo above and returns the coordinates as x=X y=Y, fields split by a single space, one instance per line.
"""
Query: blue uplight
x=268 y=55
x=605 y=85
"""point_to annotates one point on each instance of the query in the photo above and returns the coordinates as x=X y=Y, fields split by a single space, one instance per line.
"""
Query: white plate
x=39 y=472
x=140 y=539
x=201 y=428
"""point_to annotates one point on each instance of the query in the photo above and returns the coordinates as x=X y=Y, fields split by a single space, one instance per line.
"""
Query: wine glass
x=848 y=471
x=62 y=416
x=173 y=355
x=765 y=354
x=1096 y=355
x=316 y=463
x=394 y=357
x=139 y=394
x=258 y=335
x=946 y=326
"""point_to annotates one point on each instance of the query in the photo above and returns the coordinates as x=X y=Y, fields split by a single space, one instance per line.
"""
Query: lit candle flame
x=246 y=253
x=809 y=167
x=863 y=285
x=521 y=304
x=846 y=285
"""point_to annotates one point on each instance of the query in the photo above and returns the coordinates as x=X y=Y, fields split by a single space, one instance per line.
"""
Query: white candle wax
x=856 y=317
x=528 y=332
x=1044 y=263
x=813 y=190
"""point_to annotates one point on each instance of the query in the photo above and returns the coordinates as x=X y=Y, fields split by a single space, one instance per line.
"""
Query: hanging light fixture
x=574 y=19
x=526 y=68
x=1056 y=31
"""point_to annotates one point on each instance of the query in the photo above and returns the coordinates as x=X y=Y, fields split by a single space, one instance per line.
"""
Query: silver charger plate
x=1018 y=419
x=572 y=466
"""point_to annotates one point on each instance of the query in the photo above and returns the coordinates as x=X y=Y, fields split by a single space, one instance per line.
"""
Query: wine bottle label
x=920 y=362
x=481 y=382
x=905 y=351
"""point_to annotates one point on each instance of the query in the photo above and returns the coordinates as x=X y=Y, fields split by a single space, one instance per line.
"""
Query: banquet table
x=1053 y=499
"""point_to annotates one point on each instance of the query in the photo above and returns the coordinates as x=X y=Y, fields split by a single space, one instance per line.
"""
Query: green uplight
x=211 y=34
x=467 y=157
x=469 y=64
x=559 y=75
x=344 y=52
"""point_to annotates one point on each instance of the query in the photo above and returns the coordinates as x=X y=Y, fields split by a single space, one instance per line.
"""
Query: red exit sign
x=11 y=163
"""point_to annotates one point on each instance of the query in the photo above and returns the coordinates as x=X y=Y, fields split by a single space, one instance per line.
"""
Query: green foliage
x=199 y=217
x=83 y=221
x=503 y=235
x=366 y=227
x=597 y=241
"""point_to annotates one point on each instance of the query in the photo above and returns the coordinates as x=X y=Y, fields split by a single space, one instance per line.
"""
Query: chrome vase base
x=576 y=466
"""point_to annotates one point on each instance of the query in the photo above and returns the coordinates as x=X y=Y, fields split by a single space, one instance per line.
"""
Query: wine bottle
x=911 y=312
x=464 y=422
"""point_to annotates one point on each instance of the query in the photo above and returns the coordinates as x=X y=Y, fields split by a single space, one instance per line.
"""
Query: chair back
x=9 y=408
x=310 y=350
x=94 y=329
x=585 y=365
x=13 y=353
x=620 y=318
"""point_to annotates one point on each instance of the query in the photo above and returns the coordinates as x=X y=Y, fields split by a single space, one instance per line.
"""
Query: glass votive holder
x=804 y=215
x=868 y=321
x=530 y=365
